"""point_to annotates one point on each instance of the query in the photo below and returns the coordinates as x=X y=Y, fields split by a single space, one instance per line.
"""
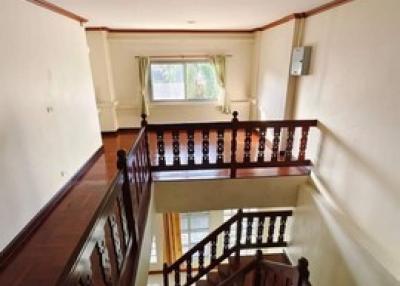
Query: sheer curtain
x=143 y=64
x=219 y=62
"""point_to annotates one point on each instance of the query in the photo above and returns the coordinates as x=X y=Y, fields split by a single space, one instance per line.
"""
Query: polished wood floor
x=42 y=259
x=44 y=256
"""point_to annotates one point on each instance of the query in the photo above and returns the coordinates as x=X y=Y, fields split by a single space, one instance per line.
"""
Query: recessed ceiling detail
x=176 y=14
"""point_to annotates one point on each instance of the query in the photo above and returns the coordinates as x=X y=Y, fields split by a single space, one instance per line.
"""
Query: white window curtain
x=219 y=62
x=143 y=64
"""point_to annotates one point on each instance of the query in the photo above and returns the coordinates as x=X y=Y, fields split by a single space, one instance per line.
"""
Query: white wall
x=200 y=195
x=123 y=47
x=354 y=90
x=48 y=117
x=274 y=53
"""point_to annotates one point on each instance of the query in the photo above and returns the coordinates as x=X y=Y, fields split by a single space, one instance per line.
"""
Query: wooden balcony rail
x=266 y=272
x=109 y=250
x=251 y=230
x=228 y=145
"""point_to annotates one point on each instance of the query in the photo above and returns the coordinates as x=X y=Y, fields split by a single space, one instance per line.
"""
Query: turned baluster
x=220 y=146
x=303 y=143
x=126 y=193
x=226 y=239
x=175 y=148
x=260 y=229
x=161 y=148
x=201 y=259
x=247 y=145
x=282 y=228
x=289 y=144
x=238 y=235
x=177 y=276
x=275 y=144
x=116 y=241
x=261 y=145
x=249 y=230
x=190 y=143
x=271 y=229
x=189 y=269
x=213 y=249
x=105 y=263
x=206 y=146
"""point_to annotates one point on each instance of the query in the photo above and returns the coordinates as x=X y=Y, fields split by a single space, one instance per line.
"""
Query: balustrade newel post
x=238 y=235
x=165 y=274
x=257 y=274
x=126 y=194
x=144 y=124
x=235 y=120
x=304 y=273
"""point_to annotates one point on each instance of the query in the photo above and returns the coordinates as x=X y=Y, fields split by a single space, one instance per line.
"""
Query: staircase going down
x=223 y=265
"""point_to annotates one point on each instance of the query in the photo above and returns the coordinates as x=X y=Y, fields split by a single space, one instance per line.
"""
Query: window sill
x=187 y=103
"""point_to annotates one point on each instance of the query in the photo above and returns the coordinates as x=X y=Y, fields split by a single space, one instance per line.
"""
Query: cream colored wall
x=103 y=79
x=353 y=90
x=48 y=118
x=200 y=195
x=144 y=256
x=123 y=47
x=273 y=81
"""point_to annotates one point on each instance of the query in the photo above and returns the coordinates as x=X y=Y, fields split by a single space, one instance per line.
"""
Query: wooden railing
x=229 y=145
x=109 y=250
x=262 y=272
x=242 y=231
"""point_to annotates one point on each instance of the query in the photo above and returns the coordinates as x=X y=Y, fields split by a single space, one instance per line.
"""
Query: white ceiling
x=174 y=14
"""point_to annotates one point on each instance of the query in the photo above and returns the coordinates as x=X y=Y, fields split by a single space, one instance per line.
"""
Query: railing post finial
x=144 y=120
x=165 y=274
x=304 y=273
x=235 y=116
x=121 y=159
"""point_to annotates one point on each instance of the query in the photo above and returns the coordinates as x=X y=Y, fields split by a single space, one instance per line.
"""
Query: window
x=183 y=81
x=153 y=253
x=194 y=227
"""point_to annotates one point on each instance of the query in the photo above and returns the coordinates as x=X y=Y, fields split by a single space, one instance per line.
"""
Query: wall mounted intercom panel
x=300 y=61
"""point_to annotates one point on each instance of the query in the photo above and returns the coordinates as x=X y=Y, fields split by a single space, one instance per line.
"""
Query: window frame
x=184 y=62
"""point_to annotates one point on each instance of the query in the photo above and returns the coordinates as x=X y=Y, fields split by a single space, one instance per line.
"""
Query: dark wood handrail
x=244 y=221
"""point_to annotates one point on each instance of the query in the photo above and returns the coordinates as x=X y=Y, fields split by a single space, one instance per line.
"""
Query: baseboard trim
x=121 y=130
x=7 y=254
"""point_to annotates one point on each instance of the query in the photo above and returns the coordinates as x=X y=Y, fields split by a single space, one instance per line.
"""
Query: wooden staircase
x=224 y=270
x=223 y=265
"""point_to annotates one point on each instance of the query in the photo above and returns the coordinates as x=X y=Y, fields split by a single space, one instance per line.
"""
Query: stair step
x=203 y=283
x=213 y=278
x=224 y=271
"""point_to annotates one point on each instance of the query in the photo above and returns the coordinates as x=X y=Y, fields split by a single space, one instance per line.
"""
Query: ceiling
x=178 y=14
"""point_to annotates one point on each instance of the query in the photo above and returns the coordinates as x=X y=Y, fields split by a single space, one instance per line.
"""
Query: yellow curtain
x=172 y=234
x=143 y=64
x=219 y=62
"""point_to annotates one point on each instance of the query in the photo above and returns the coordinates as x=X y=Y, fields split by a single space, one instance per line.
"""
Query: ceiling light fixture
x=191 y=22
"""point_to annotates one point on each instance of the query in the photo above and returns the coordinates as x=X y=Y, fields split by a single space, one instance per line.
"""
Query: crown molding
x=57 y=9
x=317 y=10
x=174 y=31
